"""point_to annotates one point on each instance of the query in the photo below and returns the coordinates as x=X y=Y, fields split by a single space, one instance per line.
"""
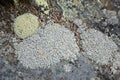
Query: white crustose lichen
x=98 y=46
x=47 y=47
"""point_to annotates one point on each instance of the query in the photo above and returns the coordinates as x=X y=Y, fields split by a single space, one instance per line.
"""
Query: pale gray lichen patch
x=116 y=63
x=98 y=46
x=47 y=47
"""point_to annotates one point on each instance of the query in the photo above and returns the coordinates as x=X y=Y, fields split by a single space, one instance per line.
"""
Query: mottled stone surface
x=84 y=67
x=80 y=9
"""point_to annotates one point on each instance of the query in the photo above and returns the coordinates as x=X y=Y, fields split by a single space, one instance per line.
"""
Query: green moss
x=25 y=25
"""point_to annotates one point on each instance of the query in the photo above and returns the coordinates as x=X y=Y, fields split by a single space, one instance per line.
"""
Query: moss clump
x=25 y=25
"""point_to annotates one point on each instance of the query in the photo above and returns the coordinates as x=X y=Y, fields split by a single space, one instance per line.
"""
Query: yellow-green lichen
x=16 y=2
x=25 y=25
x=44 y=5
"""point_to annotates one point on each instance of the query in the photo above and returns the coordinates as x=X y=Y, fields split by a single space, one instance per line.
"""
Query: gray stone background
x=93 y=18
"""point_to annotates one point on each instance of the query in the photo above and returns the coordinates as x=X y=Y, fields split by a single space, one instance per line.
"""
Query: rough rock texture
x=110 y=25
x=80 y=9
x=47 y=47
x=111 y=17
x=80 y=70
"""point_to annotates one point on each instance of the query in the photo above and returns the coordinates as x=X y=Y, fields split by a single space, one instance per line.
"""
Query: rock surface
x=92 y=24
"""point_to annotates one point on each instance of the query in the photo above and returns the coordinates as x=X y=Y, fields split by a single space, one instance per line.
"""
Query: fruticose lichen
x=25 y=25
x=47 y=47
x=43 y=5
x=41 y=2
